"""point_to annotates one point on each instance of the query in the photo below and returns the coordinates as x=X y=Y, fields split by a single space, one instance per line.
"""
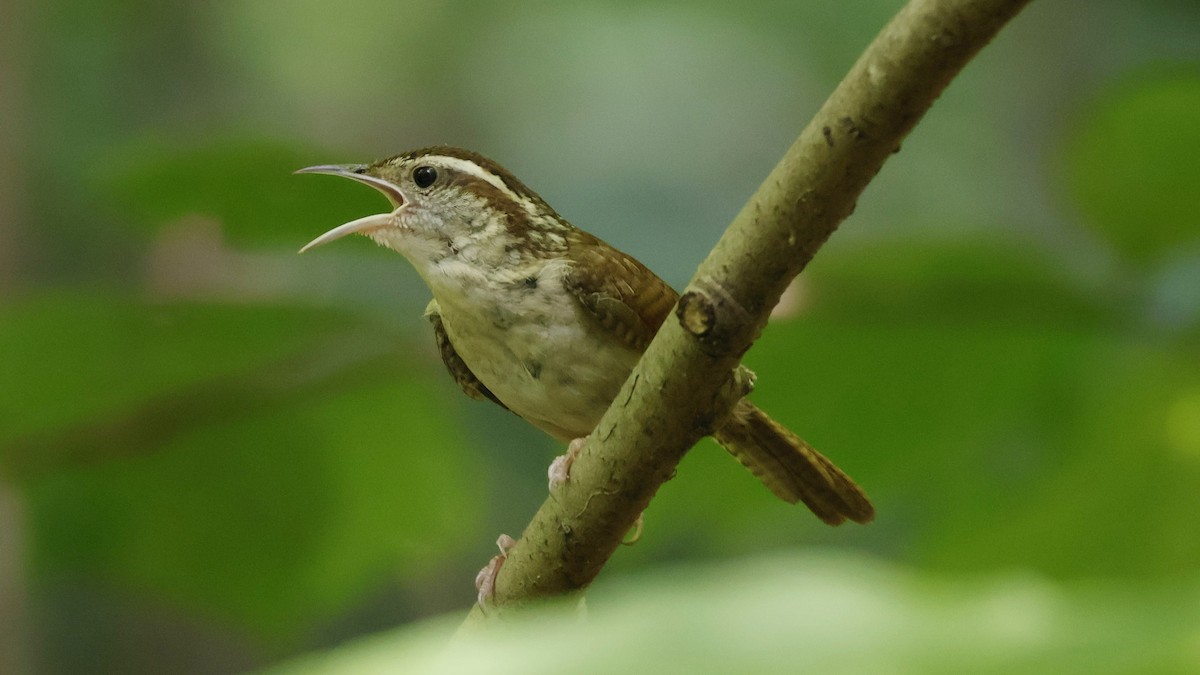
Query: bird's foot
x=485 y=581
x=560 y=468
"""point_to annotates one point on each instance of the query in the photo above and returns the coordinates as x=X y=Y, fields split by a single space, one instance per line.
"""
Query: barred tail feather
x=791 y=468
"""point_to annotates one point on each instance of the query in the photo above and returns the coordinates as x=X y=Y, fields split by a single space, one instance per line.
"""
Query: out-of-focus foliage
x=1131 y=167
x=185 y=449
x=812 y=613
x=215 y=453
x=246 y=185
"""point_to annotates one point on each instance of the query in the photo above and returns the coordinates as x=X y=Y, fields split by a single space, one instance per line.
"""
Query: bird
x=547 y=320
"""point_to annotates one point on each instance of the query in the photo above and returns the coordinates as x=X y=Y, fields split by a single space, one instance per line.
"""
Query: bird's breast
x=527 y=340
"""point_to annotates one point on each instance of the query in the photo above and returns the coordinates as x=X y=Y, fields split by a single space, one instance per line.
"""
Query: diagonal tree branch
x=683 y=385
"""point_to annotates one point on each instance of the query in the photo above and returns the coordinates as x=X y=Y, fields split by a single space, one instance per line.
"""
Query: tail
x=793 y=470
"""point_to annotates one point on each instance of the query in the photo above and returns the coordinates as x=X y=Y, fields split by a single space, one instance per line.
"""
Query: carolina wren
x=545 y=319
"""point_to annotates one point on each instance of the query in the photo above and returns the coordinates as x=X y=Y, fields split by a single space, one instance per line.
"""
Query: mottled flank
x=462 y=374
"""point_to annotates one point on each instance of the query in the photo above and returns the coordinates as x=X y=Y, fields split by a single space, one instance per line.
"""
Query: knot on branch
x=710 y=314
x=696 y=313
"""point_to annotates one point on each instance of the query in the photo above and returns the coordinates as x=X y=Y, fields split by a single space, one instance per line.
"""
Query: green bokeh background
x=216 y=454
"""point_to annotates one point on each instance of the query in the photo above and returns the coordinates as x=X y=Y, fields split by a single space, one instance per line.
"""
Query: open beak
x=366 y=224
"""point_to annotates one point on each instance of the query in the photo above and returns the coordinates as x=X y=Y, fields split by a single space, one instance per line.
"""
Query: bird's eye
x=424 y=176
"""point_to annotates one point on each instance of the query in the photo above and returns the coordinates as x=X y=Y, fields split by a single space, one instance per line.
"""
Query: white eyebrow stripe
x=473 y=169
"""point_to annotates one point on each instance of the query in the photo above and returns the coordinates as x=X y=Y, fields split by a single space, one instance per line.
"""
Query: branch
x=682 y=387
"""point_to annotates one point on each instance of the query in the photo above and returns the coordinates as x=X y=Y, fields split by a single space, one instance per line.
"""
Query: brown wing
x=470 y=384
x=622 y=295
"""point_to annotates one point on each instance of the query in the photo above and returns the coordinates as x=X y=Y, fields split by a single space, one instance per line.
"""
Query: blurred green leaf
x=268 y=464
x=66 y=358
x=994 y=417
x=1131 y=163
x=246 y=185
x=813 y=613
x=1114 y=480
x=276 y=520
x=979 y=280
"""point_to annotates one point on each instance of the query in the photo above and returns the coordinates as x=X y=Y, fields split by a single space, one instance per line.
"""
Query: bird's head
x=447 y=201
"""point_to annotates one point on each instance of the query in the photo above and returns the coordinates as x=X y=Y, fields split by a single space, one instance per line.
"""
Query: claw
x=560 y=468
x=485 y=581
